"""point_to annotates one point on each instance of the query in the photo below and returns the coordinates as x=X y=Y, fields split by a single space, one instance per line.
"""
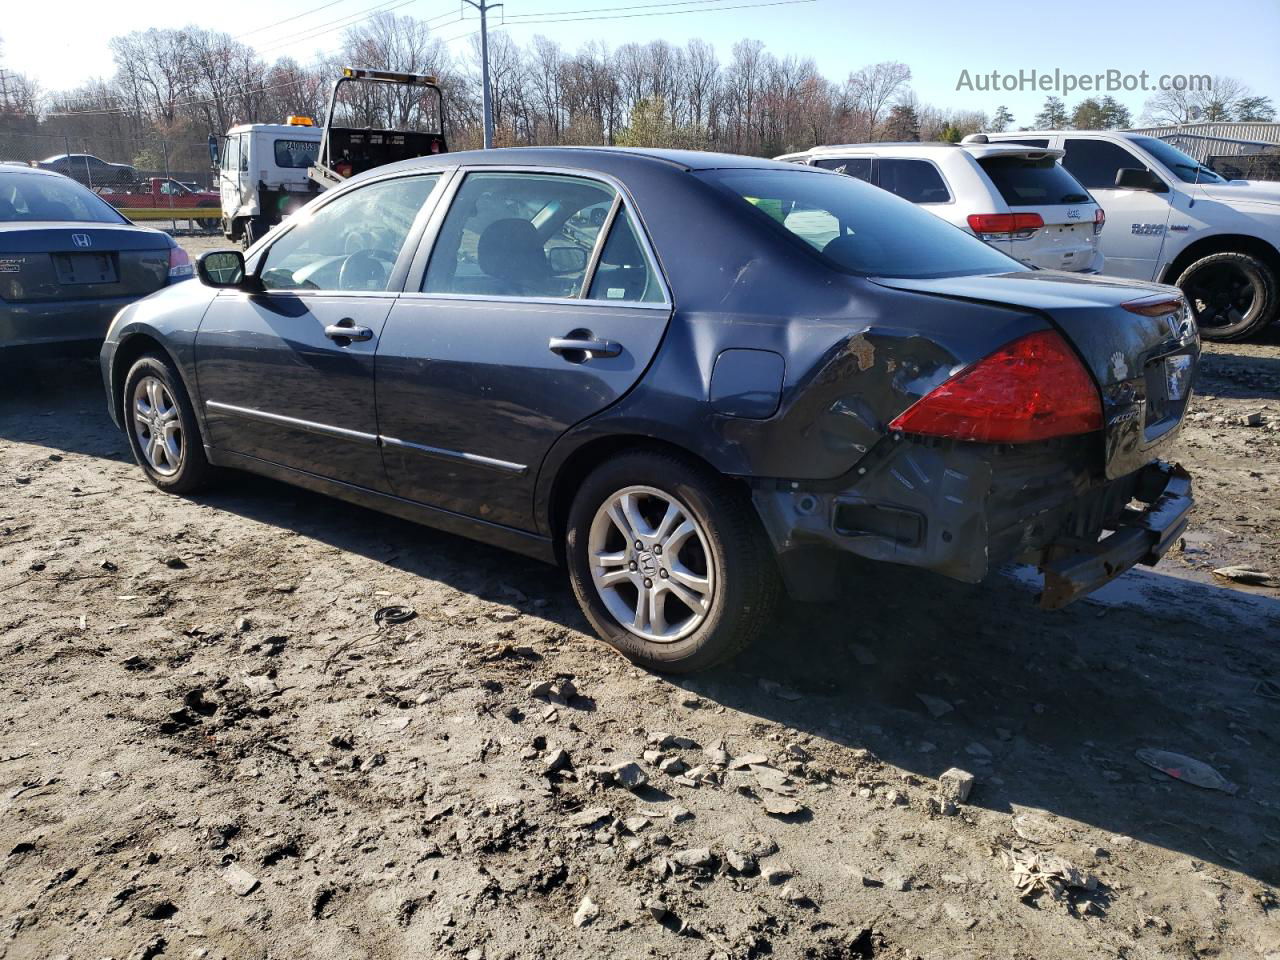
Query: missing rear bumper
x=1074 y=568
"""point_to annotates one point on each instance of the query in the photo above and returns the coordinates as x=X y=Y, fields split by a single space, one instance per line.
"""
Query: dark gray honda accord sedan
x=691 y=378
x=69 y=261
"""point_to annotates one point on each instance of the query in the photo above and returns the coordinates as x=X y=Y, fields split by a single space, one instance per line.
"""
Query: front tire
x=668 y=562
x=162 y=428
x=1232 y=295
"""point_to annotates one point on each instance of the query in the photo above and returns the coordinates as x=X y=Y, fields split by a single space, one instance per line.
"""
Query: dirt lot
x=210 y=748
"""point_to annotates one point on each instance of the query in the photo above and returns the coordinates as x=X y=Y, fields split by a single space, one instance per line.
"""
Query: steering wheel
x=365 y=270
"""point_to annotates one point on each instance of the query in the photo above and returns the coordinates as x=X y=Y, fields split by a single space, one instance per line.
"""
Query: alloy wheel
x=1220 y=294
x=651 y=564
x=157 y=426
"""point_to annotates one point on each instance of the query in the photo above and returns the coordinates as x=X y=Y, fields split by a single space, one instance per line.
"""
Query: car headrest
x=510 y=250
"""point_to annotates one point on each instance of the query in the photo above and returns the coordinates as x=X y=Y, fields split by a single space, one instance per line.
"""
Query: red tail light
x=179 y=264
x=1031 y=389
x=1156 y=306
x=987 y=224
x=1099 y=220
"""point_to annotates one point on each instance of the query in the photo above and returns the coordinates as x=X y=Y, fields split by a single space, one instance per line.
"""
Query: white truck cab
x=262 y=175
x=1016 y=198
x=1174 y=220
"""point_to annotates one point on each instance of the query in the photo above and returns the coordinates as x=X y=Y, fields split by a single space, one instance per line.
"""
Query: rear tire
x=161 y=424
x=1232 y=295
x=705 y=597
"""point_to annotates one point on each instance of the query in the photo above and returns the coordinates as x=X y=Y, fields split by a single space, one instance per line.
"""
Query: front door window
x=351 y=243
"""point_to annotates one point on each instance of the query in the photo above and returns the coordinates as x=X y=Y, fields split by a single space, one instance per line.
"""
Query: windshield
x=25 y=196
x=1027 y=182
x=1180 y=165
x=860 y=228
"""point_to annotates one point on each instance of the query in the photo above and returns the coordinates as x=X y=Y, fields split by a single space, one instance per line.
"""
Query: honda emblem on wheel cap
x=82 y=240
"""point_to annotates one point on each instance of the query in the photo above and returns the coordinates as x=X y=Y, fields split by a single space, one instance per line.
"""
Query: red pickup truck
x=159 y=198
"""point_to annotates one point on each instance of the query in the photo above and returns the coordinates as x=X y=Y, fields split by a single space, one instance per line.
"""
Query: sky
x=938 y=39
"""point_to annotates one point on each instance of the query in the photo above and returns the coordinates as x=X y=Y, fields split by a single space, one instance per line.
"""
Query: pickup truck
x=159 y=198
x=1174 y=220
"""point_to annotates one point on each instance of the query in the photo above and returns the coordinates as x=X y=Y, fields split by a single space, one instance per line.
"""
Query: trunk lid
x=1065 y=242
x=89 y=261
x=1143 y=365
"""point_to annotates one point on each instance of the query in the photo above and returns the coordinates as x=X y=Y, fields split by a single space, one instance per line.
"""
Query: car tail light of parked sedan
x=1034 y=388
x=1099 y=220
x=692 y=379
x=180 y=265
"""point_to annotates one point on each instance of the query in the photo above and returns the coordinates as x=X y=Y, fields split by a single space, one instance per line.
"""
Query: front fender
x=166 y=320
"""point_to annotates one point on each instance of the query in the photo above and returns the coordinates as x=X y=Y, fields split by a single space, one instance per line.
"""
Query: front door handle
x=346 y=329
x=580 y=346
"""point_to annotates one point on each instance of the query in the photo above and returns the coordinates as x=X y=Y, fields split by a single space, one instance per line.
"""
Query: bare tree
x=872 y=89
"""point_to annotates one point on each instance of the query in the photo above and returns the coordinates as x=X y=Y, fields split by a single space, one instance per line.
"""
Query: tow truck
x=268 y=170
x=348 y=150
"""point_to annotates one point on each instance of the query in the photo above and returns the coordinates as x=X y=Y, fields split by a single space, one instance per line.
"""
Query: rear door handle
x=580 y=345
x=346 y=329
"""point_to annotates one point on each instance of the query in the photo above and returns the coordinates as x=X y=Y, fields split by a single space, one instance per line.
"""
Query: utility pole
x=486 y=95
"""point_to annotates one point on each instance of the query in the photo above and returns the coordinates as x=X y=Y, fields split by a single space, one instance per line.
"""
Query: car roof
x=929 y=146
x=34 y=171
x=588 y=158
x=1122 y=134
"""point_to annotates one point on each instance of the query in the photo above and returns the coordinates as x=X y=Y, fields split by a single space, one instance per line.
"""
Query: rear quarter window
x=1027 y=182
x=916 y=180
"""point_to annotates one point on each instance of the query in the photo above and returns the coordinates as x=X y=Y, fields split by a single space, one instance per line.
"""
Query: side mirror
x=224 y=269
x=567 y=260
x=213 y=149
x=1139 y=178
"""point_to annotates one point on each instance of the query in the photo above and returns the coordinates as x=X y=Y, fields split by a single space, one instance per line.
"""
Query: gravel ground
x=210 y=746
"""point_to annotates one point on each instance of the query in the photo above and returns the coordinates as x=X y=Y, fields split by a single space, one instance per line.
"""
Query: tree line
x=182 y=85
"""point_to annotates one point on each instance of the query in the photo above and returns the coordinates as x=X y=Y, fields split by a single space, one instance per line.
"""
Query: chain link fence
x=169 y=184
x=1254 y=166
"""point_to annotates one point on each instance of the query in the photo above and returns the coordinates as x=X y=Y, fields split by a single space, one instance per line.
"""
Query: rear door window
x=859 y=167
x=1095 y=163
x=916 y=180
x=519 y=235
x=1027 y=182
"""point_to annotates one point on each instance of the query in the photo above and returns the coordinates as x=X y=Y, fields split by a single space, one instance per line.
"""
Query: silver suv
x=1017 y=198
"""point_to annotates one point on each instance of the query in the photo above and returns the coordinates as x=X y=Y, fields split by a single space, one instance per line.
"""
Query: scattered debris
x=1187 y=769
x=1036 y=872
x=956 y=784
x=777 y=806
x=936 y=706
x=587 y=912
x=394 y=615
x=1243 y=573
x=239 y=879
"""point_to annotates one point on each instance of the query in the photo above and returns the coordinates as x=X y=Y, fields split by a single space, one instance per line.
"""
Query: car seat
x=510 y=252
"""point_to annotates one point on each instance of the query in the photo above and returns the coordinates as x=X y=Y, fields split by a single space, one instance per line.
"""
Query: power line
x=518 y=17
x=296 y=16
x=665 y=13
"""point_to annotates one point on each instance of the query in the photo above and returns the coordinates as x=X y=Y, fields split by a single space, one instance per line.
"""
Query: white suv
x=1017 y=198
x=1176 y=221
